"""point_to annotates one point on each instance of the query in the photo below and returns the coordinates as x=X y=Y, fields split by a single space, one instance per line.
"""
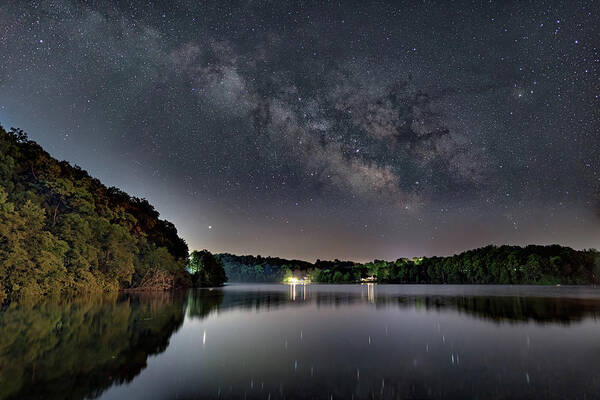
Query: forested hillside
x=491 y=264
x=62 y=231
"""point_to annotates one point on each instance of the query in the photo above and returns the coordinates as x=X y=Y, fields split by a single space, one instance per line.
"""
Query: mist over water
x=314 y=341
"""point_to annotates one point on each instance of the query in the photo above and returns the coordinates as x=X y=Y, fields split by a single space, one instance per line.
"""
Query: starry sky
x=351 y=130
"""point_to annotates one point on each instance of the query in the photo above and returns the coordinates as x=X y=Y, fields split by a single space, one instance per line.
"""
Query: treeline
x=487 y=265
x=63 y=231
x=267 y=269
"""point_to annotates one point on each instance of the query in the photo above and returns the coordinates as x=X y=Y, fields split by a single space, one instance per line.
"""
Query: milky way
x=322 y=130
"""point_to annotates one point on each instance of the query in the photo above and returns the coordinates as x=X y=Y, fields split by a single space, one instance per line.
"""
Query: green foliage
x=499 y=265
x=286 y=273
x=206 y=269
x=62 y=231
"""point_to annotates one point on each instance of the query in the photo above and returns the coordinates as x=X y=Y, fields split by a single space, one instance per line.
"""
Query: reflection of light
x=292 y=280
x=293 y=291
x=371 y=292
x=293 y=285
x=204 y=338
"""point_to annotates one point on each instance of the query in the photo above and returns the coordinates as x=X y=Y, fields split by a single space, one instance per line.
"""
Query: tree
x=533 y=269
x=286 y=273
x=338 y=277
x=30 y=258
x=206 y=269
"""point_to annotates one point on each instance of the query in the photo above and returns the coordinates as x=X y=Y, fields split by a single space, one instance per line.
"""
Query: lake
x=308 y=342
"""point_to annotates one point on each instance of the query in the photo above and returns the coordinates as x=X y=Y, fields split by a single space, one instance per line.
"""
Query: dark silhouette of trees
x=491 y=264
x=206 y=269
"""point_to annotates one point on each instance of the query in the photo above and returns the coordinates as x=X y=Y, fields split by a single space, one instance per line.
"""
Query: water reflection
x=307 y=341
x=371 y=292
x=78 y=349
x=201 y=303
x=300 y=288
x=503 y=304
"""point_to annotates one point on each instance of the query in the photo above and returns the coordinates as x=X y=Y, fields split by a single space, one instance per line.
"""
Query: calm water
x=319 y=341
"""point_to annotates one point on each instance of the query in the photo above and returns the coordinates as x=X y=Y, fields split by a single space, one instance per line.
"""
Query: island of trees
x=62 y=231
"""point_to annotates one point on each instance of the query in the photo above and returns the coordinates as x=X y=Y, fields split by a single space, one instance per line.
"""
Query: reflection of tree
x=78 y=349
x=505 y=308
x=497 y=308
x=257 y=300
x=201 y=302
x=538 y=309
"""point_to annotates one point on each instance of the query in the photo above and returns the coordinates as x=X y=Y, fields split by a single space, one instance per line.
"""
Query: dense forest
x=62 y=231
x=491 y=264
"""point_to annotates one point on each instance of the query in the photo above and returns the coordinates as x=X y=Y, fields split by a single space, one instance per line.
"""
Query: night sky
x=323 y=130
